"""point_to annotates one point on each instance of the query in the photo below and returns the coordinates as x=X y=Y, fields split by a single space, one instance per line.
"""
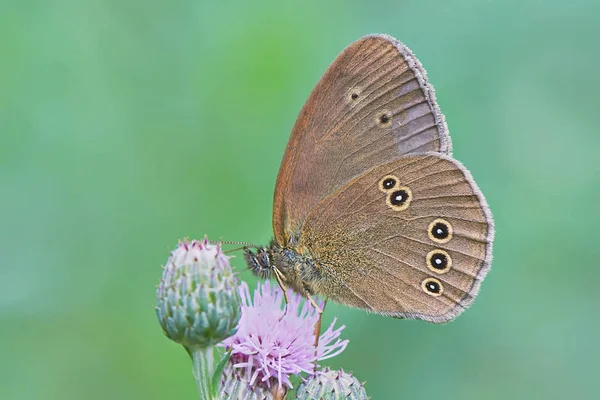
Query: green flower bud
x=198 y=300
x=331 y=385
x=234 y=385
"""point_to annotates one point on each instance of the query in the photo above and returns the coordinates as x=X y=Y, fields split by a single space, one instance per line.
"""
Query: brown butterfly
x=370 y=208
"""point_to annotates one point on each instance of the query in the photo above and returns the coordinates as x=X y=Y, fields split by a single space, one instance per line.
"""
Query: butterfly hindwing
x=411 y=238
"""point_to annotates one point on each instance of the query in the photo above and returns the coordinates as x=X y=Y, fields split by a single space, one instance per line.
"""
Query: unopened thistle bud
x=235 y=385
x=331 y=385
x=198 y=301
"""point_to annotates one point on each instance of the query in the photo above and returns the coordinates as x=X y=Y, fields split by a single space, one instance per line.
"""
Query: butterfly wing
x=410 y=239
x=372 y=105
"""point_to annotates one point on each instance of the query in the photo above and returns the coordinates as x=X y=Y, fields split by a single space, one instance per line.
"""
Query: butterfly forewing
x=411 y=238
x=372 y=105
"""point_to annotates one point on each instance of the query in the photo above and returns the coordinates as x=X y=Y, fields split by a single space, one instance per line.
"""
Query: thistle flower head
x=332 y=385
x=269 y=348
x=198 y=301
x=234 y=385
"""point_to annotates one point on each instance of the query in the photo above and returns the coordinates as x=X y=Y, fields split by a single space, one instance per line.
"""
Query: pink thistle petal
x=271 y=348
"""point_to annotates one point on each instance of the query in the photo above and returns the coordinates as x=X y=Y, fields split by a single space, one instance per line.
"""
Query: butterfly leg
x=280 y=278
x=314 y=304
x=318 y=334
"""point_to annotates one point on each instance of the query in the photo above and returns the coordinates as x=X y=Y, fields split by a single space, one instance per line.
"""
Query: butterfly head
x=260 y=261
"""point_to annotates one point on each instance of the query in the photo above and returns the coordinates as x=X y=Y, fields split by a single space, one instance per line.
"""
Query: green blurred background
x=126 y=125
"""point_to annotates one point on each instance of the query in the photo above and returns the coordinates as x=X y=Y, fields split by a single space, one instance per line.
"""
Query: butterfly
x=370 y=209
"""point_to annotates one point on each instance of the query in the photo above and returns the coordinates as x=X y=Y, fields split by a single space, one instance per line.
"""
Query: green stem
x=203 y=360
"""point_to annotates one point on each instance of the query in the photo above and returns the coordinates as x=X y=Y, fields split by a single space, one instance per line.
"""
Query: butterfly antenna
x=233 y=250
x=243 y=244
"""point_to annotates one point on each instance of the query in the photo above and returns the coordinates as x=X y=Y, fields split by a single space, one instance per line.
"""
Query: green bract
x=198 y=301
x=234 y=385
x=331 y=385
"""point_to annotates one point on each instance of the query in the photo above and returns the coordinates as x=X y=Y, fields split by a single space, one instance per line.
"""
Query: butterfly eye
x=439 y=261
x=385 y=118
x=387 y=183
x=432 y=286
x=399 y=199
x=440 y=231
x=354 y=96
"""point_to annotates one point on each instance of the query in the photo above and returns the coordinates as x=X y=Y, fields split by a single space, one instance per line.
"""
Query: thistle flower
x=198 y=302
x=198 y=305
x=331 y=385
x=234 y=385
x=267 y=348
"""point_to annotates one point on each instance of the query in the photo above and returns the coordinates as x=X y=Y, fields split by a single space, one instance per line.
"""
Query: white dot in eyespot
x=438 y=261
